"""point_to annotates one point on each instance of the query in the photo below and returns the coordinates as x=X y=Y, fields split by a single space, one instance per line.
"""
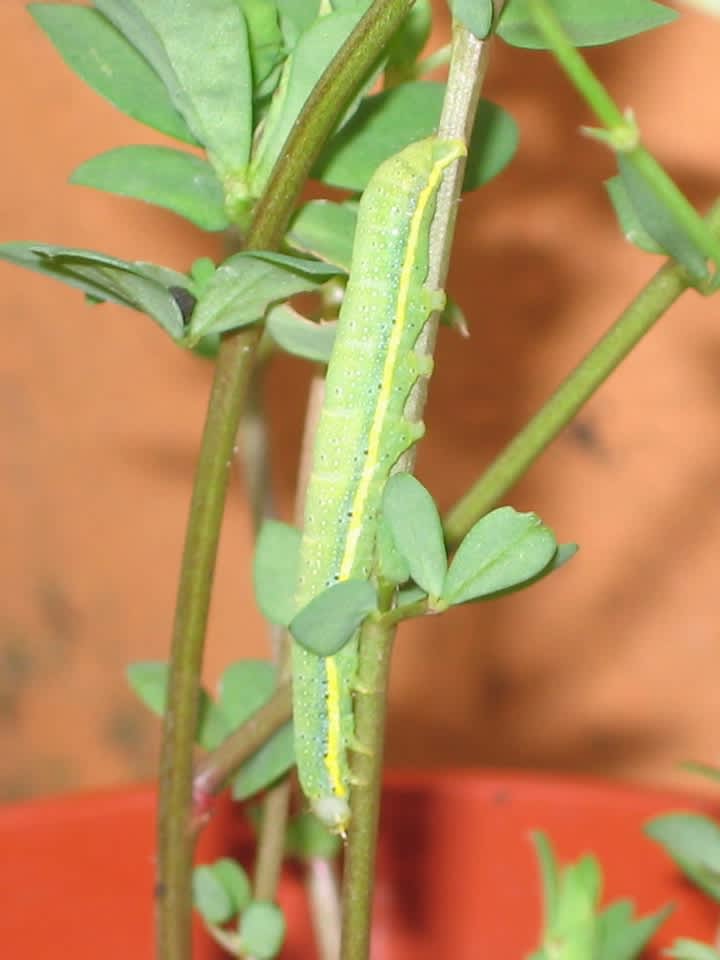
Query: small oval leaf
x=632 y=229
x=386 y=123
x=262 y=930
x=275 y=571
x=236 y=882
x=210 y=897
x=325 y=230
x=244 y=688
x=503 y=550
x=659 y=222
x=476 y=15
x=299 y=336
x=272 y=761
x=416 y=529
x=392 y=565
x=149 y=680
x=587 y=24
x=331 y=620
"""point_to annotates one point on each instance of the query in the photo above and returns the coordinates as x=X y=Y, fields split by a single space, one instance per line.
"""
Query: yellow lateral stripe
x=334 y=733
x=358 y=507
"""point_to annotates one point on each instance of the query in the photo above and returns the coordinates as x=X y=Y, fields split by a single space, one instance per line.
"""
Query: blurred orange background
x=609 y=667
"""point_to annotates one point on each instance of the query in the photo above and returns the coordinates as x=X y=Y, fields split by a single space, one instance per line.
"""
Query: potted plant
x=274 y=94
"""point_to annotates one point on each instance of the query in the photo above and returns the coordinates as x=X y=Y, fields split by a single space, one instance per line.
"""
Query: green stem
x=214 y=770
x=622 y=134
x=376 y=641
x=645 y=310
x=233 y=370
x=271 y=840
x=467 y=71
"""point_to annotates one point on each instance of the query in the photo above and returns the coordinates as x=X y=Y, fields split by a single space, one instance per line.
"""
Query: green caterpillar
x=361 y=434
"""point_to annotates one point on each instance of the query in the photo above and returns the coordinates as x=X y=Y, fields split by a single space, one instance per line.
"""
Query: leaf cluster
x=505 y=551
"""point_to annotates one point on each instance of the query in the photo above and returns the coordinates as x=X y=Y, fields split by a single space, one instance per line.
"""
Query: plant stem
x=640 y=316
x=622 y=132
x=315 y=123
x=467 y=71
x=323 y=892
x=175 y=833
x=276 y=802
x=271 y=840
x=375 y=651
x=468 y=65
x=217 y=766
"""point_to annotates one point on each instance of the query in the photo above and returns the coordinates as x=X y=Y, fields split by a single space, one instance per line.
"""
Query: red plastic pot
x=457 y=876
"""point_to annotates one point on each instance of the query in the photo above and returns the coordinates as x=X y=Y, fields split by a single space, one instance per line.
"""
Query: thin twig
x=653 y=301
x=467 y=70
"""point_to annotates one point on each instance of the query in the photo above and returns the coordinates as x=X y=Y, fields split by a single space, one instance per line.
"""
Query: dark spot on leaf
x=185 y=301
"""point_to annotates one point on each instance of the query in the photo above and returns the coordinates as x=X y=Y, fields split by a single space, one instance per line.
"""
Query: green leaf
x=392 y=565
x=236 y=882
x=476 y=15
x=325 y=230
x=564 y=553
x=296 y=16
x=409 y=595
x=573 y=924
x=244 y=688
x=128 y=17
x=102 y=57
x=210 y=897
x=549 y=874
x=141 y=286
x=683 y=949
x=632 y=229
x=693 y=842
x=453 y=316
x=415 y=525
x=503 y=550
x=241 y=290
x=178 y=181
x=275 y=571
x=409 y=41
x=200 y=49
x=331 y=620
x=587 y=24
x=620 y=936
x=262 y=930
x=149 y=680
x=298 y=336
x=386 y=123
x=659 y=222
x=308 y=838
x=265 y=40
x=272 y=761
x=315 y=48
